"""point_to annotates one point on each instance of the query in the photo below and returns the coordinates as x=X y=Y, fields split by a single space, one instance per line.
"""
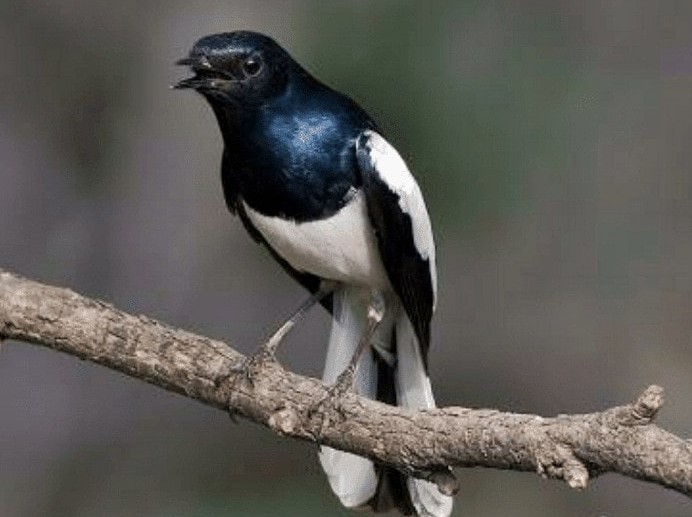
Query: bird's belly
x=341 y=247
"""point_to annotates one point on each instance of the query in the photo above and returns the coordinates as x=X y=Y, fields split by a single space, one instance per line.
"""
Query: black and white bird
x=312 y=179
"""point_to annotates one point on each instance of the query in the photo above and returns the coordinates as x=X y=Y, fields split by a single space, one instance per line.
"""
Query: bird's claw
x=252 y=366
x=247 y=372
x=335 y=395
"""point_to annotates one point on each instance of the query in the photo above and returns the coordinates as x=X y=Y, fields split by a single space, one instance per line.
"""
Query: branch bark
x=573 y=448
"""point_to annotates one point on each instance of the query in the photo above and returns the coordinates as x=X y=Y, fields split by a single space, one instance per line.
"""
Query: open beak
x=206 y=76
x=190 y=82
x=197 y=64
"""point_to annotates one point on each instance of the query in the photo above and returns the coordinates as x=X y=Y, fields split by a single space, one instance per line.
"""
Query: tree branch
x=573 y=448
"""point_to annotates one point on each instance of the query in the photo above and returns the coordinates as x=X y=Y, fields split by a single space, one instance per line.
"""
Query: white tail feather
x=413 y=390
x=352 y=478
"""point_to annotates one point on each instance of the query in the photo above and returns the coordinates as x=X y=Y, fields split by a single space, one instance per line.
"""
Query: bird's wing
x=402 y=226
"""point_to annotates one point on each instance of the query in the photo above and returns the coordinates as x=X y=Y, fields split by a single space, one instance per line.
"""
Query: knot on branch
x=559 y=462
x=644 y=410
x=284 y=421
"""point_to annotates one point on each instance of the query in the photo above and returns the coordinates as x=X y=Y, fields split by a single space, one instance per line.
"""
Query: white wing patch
x=392 y=170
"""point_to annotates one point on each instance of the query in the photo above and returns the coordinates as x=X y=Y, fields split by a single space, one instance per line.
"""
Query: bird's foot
x=251 y=368
x=335 y=395
x=265 y=355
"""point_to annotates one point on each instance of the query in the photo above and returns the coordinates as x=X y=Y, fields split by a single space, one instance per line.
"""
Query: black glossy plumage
x=289 y=140
x=297 y=158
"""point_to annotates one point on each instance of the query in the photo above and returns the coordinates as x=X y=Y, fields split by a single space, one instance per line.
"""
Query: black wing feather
x=408 y=272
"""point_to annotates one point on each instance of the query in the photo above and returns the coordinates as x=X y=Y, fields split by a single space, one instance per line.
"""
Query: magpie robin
x=312 y=179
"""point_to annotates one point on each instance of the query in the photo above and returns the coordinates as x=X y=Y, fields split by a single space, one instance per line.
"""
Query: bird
x=313 y=179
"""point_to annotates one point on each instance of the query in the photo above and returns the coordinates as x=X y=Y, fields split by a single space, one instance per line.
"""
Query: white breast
x=341 y=247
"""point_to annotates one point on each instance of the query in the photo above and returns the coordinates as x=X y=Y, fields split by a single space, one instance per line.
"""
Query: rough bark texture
x=568 y=447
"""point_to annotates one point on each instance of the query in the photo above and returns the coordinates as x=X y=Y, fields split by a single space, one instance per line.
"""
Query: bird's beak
x=207 y=77
x=196 y=63
x=188 y=61
x=190 y=82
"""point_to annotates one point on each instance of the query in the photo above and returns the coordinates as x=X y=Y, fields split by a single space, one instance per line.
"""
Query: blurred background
x=552 y=142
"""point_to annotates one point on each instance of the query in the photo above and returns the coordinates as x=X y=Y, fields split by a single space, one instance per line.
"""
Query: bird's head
x=237 y=68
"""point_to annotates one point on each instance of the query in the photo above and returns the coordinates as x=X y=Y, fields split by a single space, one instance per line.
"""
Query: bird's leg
x=269 y=348
x=266 y=353
x=344 y=382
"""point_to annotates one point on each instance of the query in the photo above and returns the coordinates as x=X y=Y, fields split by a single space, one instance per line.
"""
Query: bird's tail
x=413 y=391
x=396 y=376
x=352 y=478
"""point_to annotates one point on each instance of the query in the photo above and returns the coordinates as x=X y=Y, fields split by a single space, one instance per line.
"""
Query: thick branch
x=569 y=447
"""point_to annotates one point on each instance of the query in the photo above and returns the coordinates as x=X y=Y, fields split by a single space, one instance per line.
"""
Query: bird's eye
x=252 y=65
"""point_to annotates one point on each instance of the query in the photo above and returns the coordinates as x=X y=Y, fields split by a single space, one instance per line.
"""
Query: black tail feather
x=391 y=491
